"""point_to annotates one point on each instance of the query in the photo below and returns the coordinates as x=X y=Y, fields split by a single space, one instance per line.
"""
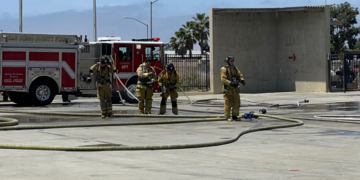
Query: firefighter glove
x=242 y=82
x=234 y=84
x=162 y=89
x=150 y=84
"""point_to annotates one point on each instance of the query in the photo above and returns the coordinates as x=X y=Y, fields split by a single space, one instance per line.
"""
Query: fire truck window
x=153 y=53
x=125 y=53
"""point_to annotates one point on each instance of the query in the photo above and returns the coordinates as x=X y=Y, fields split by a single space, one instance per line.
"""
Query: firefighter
x=145 y=85
x=169 y=80
x=103 y=69
x=231 y=77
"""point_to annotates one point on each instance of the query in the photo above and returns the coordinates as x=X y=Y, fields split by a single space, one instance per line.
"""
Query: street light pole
x=147 y=27
x=152 y=2
x=20 y=16
x=94 y=16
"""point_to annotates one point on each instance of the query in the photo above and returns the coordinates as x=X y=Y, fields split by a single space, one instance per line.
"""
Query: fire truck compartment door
x=124 y=54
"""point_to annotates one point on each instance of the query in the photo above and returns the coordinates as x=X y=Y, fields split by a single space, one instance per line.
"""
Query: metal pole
x=20 y=15
x=206 y=73
x=147 y=31
x=344 y=72
x=151 y=2
x=329 y=69
x=150 y=19
x=94 y=12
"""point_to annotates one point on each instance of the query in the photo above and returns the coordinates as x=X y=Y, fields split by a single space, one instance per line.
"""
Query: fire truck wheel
x=115 y=99
x=42 y=93
x=131 y=86
x=21 y=99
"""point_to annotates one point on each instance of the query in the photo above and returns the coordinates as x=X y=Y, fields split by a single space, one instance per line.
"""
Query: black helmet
x=229 y=58
x=103 y=60
x=170 y=67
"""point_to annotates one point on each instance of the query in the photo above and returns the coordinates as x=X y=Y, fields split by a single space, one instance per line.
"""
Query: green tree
x=332 y=48
x=347 y=32
x=176 y=45
x=167 y=47
x=201 y=31
x=357 y=45
x=184 y=39
x=188 y=36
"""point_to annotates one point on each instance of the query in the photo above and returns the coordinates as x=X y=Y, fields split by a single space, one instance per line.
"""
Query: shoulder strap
x=236 y=71
x=97 y=68
x=227 y=73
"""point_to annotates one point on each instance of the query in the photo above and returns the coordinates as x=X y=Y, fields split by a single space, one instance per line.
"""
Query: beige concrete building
x=276 y=49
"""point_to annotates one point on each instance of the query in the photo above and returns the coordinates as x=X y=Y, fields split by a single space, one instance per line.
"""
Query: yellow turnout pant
x=173 y=96
x=104 y=93
x=145 y=96
x=232 y=100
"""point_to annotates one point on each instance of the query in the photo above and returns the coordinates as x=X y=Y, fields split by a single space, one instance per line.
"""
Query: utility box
x=276 y=49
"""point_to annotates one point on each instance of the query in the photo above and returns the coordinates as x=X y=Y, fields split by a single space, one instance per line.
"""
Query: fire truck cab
x=36 y=67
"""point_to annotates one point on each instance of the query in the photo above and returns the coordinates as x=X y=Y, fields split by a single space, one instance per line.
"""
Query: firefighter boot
x=235 y=118
x=148 y=106
x=109 y=108
x=162 y=106
x=141 y=107
x=174 y=107
x=103 y=108
x=141 y=96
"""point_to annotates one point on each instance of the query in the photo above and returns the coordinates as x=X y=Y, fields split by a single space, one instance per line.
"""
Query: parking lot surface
x=316 y=150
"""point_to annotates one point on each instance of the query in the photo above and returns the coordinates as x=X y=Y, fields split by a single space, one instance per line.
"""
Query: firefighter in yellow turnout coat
x=145 y=86
x=103 y=84
x=169 y=80
x=231 y=77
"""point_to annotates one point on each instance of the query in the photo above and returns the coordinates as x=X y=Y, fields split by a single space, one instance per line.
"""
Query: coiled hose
x=11 y=122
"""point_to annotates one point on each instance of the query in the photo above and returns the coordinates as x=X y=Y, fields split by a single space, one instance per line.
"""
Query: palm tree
x=177 y=45
x=201 y=30
x=187 y=35
x=184 y=39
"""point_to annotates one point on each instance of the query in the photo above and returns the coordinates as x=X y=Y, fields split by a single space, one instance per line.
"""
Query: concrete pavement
x=316 y=150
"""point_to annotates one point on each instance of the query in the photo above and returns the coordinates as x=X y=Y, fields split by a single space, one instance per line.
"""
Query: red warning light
x=156 y=39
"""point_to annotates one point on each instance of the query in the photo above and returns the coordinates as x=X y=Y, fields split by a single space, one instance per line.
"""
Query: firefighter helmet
x=170 y=67
x=103 y=60
x=229 y=58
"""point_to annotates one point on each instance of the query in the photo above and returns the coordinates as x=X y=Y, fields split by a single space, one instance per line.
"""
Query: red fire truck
x=36 y=67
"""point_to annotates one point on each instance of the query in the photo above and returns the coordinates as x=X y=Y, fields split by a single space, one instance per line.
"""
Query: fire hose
x=7 y=124
x=11 y=121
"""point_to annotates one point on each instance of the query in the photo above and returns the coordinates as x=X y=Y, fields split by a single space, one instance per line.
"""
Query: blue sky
x=9 y=8
x=75 y=16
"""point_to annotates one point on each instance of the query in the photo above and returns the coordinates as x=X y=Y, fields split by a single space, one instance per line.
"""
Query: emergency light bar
x=153 y=39
x=100 y=39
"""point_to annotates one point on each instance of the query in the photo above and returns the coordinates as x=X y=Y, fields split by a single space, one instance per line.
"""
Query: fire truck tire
x=5 y=96
x=21 y=99
x=131 y=86
x=42 y=93
x=115 y=99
